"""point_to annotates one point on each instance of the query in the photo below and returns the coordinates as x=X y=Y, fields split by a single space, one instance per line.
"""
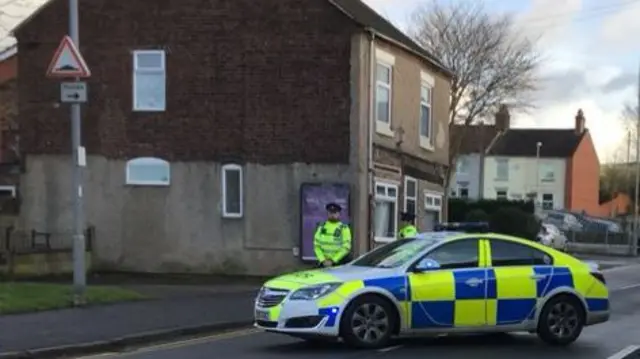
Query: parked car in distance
x=552 y=237
x=563 y=220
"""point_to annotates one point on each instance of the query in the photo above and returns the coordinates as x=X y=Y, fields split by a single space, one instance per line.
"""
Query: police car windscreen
x=398 y=253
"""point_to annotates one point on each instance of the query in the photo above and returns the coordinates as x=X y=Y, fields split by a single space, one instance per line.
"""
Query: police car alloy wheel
x=561 y=320
x=368 y=322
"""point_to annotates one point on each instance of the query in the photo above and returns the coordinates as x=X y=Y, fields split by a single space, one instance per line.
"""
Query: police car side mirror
x=425 y=265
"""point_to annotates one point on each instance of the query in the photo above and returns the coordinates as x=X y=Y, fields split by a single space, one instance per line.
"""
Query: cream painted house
x=517 y=178
x=558 y=168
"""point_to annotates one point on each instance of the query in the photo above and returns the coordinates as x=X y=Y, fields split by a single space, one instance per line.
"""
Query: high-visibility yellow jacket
x=332 y=241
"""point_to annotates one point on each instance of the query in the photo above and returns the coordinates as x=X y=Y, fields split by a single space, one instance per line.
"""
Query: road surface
x=597 y=342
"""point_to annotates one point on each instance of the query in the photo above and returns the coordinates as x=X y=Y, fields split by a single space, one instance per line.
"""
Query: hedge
x=460 y=210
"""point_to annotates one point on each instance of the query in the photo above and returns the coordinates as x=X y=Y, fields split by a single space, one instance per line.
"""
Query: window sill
x=148 y=184
x=425 y=143
x=384 y=129
x=232 y=215
x=149 y=109
x=501 y=179
x=384 y=239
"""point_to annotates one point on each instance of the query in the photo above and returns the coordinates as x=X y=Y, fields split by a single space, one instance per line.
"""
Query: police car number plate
x=262 y=315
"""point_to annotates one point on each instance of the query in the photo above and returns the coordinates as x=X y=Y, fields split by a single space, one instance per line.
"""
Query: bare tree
x=492 y=63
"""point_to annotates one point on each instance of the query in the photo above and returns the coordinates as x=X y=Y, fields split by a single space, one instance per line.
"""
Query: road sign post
x=68 y=62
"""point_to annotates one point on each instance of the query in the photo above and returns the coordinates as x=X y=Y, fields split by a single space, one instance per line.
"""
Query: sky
x=591 y=61
x=589 y=46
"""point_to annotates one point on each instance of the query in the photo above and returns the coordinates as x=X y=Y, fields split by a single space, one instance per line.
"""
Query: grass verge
x=33 y=297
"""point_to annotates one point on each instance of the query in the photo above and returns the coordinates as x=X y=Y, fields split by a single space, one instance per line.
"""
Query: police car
x=437 y=283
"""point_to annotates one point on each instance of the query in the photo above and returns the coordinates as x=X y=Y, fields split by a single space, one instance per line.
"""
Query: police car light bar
x=462 y=227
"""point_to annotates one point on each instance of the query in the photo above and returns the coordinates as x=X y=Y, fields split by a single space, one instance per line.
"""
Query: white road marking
x=626 y=287
x=388 y=349
x=624 y=353
x=620 y=268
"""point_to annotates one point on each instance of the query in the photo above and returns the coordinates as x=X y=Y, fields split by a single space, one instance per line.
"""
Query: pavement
x=195 y=310
x=603 y=341
x=178 y=311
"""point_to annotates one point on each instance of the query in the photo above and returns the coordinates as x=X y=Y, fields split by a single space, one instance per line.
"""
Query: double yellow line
x=178 y=344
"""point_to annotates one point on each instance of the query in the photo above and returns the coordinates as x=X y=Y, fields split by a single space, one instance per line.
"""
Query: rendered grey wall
x=177 y=228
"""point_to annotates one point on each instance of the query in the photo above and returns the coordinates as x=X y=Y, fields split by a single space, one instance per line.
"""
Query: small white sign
x=82 y=156
x=73 y=92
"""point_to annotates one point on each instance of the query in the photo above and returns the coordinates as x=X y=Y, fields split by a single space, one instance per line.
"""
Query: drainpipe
x=370 y=130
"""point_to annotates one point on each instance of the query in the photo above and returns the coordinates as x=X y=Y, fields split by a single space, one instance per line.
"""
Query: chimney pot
x=503 y=118
x=580 y=122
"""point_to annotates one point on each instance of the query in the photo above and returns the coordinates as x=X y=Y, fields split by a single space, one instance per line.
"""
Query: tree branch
x=492 y=62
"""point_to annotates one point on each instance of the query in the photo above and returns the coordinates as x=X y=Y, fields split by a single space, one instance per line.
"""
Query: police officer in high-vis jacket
x=332 y=240
x=407 y=229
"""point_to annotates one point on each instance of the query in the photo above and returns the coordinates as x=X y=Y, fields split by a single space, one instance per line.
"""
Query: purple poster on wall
x=314 y=197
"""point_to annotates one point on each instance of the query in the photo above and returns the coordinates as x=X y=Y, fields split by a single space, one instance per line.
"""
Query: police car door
x=519 y=275
x=452 y=293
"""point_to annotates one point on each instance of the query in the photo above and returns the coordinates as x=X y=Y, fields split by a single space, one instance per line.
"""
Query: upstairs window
x=383 y=94
x=232 y=194
x=426 y=123
x=148 y=171
x=502 y=169
x=149 y=80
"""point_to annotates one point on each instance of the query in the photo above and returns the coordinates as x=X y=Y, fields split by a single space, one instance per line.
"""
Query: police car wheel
x=368 y=322
x=561 y=320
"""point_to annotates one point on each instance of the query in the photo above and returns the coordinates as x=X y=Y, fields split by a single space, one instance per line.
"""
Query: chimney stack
x=503 y=118
x=580 y=122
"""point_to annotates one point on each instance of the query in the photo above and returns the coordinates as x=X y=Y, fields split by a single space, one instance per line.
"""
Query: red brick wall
x=264 y=81
x=583 y=180
x=8 y=105
x=8 y=69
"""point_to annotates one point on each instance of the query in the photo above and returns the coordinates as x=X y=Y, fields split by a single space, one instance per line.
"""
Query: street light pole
x=538 y=146
x=634 y=240
x=79 y=268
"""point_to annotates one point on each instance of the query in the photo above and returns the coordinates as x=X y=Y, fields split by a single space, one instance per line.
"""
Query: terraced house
x=215 y=139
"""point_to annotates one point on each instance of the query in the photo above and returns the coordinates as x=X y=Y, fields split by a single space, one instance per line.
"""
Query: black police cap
x=407 y=216
x=333 y=207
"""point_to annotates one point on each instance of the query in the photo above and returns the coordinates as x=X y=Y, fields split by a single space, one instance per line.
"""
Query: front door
x=519 y=275
x=452 y=295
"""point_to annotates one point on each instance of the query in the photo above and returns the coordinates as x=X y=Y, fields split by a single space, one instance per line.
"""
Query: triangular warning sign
x=67 y=61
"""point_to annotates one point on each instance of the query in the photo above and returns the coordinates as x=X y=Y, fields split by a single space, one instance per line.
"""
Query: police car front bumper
x=297 y=317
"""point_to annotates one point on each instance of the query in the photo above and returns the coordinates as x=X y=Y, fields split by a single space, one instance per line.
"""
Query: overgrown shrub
x=514 y=222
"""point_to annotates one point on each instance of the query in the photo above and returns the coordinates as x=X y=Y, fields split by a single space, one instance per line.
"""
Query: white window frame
x=160 y=71
x=500 y=161
x=147 y=160
x=427 y=81
x=387 y=198
x=432 y=207
x=506 y=193
x=460 y=188
x=547 y=169
x=543 y=201
x=462 y=170
x=407 y=196
x=11 y=189
x=225 y=212
x=387 y=60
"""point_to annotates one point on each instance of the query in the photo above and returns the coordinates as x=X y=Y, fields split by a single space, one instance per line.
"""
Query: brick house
x=9 y=168
x=200 y=133
x=559 y=168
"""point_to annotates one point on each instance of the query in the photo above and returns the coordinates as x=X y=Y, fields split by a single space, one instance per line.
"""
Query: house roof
x=477 y=138
x=558 y=143
x=359 y=12
x=369 y=18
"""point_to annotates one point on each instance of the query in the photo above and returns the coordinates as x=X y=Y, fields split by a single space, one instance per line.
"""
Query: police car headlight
x=314 y=292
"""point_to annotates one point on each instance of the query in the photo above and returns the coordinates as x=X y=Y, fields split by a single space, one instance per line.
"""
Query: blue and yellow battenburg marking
x=444 y=298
